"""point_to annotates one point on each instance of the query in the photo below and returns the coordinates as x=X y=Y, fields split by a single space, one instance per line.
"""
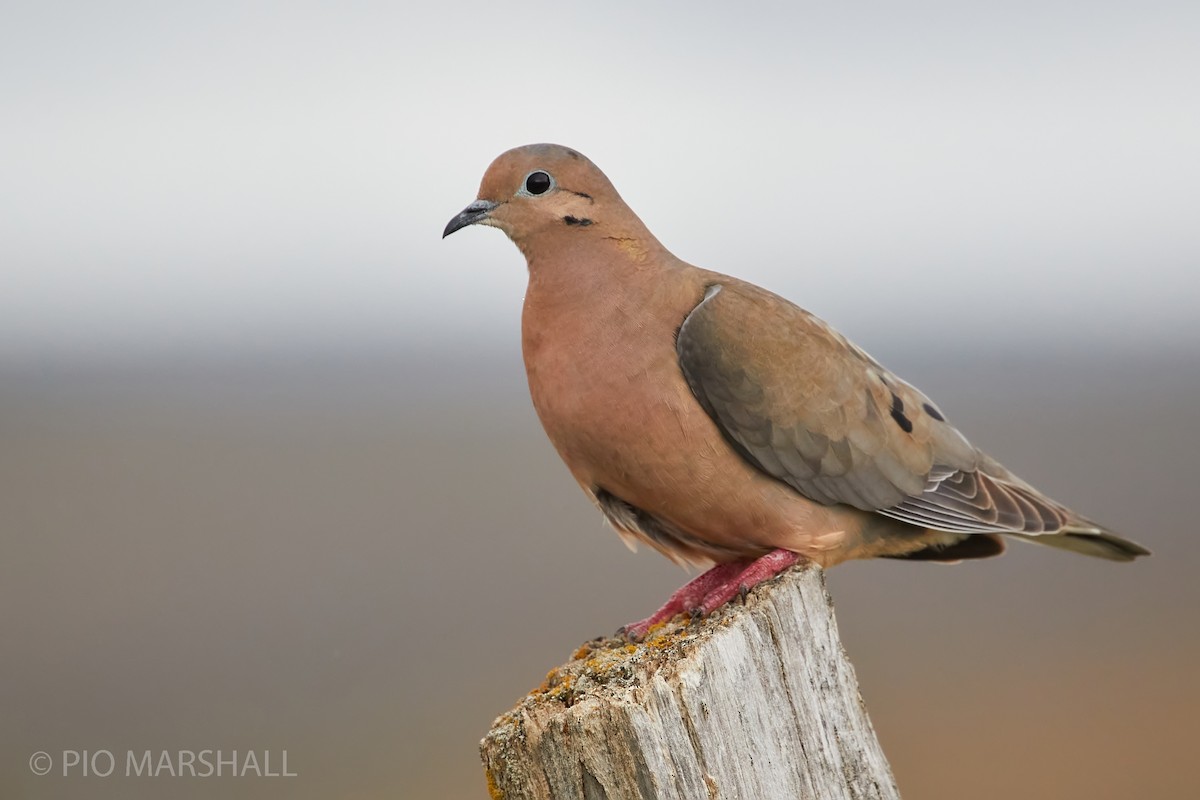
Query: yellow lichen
x=599 y=667
x=663 y=640
x=551 y=679
x=493 y=790
x=656 y=627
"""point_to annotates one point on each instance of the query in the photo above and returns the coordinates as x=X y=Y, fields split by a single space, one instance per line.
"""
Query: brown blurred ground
x=365 y=560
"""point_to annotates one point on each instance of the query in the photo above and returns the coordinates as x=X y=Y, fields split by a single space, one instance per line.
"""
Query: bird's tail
x=1060 y=526
x=1090 y=540
x=1086 y=538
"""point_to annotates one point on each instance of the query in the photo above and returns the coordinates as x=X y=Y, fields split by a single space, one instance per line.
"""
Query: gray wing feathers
x=810 y=409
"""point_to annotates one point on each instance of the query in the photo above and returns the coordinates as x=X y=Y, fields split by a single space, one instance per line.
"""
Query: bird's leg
x=707 y=592
x=750 y=575
x=688 y=597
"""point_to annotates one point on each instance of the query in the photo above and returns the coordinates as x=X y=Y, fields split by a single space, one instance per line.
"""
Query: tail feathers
x=1094 y=542
x=1087 y=541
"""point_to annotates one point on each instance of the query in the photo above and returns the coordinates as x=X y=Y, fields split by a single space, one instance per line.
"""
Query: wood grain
x=757 y=701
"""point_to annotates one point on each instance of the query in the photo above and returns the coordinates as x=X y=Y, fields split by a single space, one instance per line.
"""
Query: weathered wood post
x=756 y=702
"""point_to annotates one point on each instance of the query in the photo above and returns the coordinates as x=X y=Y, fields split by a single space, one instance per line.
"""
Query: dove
x=724 y=426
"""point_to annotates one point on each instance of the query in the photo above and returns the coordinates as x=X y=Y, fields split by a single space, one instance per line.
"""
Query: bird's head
x=540 y=188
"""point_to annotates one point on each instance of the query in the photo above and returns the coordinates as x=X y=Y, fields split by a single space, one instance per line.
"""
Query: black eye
x=537 y=183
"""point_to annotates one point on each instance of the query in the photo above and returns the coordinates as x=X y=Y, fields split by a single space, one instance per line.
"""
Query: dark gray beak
x=469 y=216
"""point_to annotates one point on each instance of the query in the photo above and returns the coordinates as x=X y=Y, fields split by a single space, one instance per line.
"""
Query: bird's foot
x=709 y=591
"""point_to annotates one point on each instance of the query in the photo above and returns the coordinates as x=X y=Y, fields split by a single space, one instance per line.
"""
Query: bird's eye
x=538 y=182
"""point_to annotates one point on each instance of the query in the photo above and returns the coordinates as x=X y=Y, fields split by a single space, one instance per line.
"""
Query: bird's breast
x=606 y=385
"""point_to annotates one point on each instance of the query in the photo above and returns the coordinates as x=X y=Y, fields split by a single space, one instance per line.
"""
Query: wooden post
x=756 y=702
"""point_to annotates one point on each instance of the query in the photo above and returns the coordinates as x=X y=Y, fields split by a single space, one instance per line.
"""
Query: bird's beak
x=469 y=216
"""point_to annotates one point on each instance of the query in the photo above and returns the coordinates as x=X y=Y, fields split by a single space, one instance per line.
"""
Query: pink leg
x=708 y=592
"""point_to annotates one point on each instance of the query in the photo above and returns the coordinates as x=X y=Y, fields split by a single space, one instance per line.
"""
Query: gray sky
x=246 y=176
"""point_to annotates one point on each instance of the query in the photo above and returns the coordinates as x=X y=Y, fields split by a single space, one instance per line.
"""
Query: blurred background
x=269 y=476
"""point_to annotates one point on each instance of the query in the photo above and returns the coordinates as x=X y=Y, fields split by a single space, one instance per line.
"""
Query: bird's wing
x=804 y=405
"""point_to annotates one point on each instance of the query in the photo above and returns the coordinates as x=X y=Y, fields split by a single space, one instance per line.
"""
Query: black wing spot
x=898 y=414
x=577 y=221
x=933 y=412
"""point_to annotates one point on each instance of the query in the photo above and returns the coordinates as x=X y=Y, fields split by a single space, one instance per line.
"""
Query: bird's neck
x=592 y=267
x=601 y=293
